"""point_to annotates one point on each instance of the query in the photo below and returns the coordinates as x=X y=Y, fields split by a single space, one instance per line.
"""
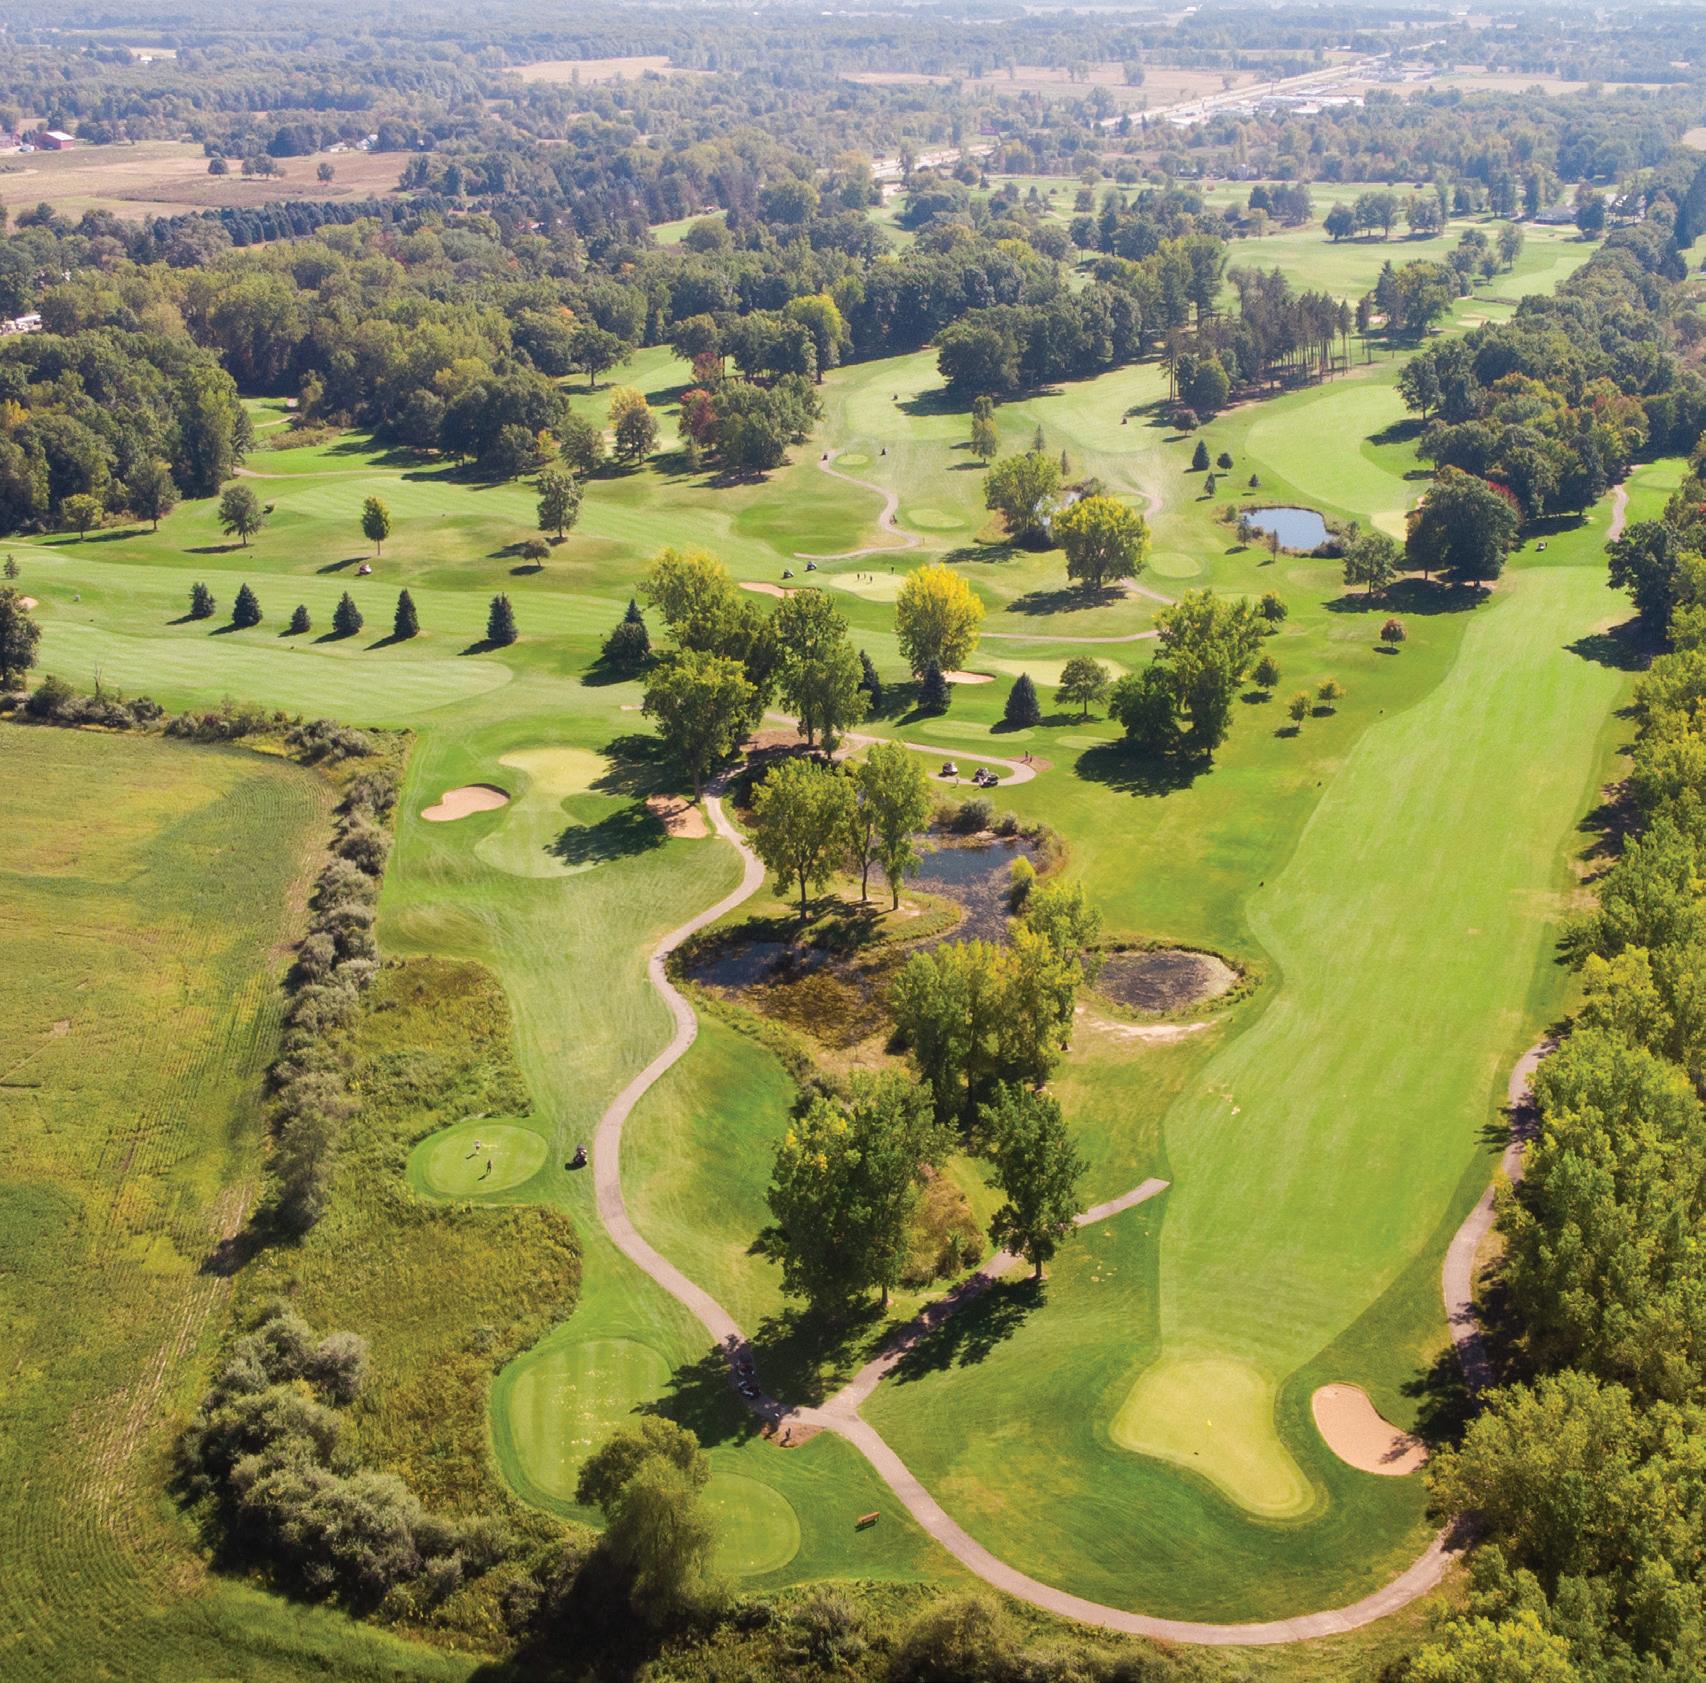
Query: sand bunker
x=762 y=589
x=459 y=803
x=1166 y=979
x=678 y=816
x=28 y=602
x=968 y=677
x=1352 y=1428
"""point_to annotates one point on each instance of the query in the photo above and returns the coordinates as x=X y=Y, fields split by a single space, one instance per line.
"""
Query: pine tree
x=11 y=567
x=407 y=623
x=1023 y=708
x=1199 y=458
x=201 y=602
x=629 y=646
x=246 y=610
x=346 y=616
x=299 y=621
x=500 y=623
x=933 y=690
x=870 y=683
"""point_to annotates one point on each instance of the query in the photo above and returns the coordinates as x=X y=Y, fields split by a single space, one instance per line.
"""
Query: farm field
x=1323 y=1135
x=169 y=177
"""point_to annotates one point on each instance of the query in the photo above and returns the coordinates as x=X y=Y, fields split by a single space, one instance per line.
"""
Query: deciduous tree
x=1104 y=539
x=702 y=704
x=937 y=615
x=801 y=814
x=1038 y=1171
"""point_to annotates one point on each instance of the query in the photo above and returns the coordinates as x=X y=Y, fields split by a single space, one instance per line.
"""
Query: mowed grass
x=143 y=893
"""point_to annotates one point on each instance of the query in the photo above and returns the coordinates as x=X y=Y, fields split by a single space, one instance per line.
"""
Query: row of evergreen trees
x=347 y=618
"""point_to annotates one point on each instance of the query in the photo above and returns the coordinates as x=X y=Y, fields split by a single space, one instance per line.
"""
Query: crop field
x=169 y=177
x=1391 y=877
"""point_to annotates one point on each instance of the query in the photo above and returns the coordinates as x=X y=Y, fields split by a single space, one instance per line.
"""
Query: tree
x=240 y=514
x=299 y=621
x=324 y=172
x=633 y=424
x=1104 y=541
x=891 y=802
x=19 y=638
x=649 y=1480
x=801 y=814
x=559 y=502
x=1023 y=491
x=936 y=619
x=820 y=676
x=79 y=512
x=1513 y=1649
x=153 y=491
x=870 y=683
x=536 y=550
x=1199 y=457
x=11 y=568
x=580 y=444
x=1022 y=708
x=1082 y=680
x=933 y=690
x=629 y=646
x=1267 y=674
x=845 y=1187
x=500 y=623
x=375 y=523
x=1339 y=223
x=246 y=610
x=594 y=350
x=1298 y=707
x=985 y=439
x=202 y=604
x=701 y=703
x=1038 y=1172
x=1372 y=559
x=406 y=623
x=1329 y=692
x=1392 y=632
x=1463 y=526
x=346 y=617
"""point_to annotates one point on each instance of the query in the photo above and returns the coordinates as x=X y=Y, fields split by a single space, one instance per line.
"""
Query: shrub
x=1392 y=631
x=973 y=815
x=1267 y=673
x=1021 y=879
x=49 y=699
x=960 y=1637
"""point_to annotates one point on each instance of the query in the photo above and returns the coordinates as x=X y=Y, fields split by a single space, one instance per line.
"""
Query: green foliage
x=1372 y=560
x=702 y=704
x=299 y=622
x=846 y=1187
x=406 y=622
x=152 y=493
x=375 y=523
x=629 y=645
x=1038 y=1171
x=19 y=638
x=1104 y=539
x=933 y=694
x=347 y=618
x=202 y=605
x=1182 y=702
x=1022 y=708
x=1267 y=674
x=633 y=425
x=937 y=616
x=245 y=610
x=1023 y=490
x=240 y=513
x=801 y=814
x=820 y=674
x=559 y=501
x=500 y=623
x=1199 y=457
x=1083 y=680
x=891 y=802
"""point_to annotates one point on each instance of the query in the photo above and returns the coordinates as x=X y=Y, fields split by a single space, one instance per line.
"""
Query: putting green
x=1215 y=1416
x=875 y=587
x=852 y=459
x=757 y=1528
x=934 y=520
x=535 y=839
x=474 y=1159
x=1170 y=564
x=564 y=1399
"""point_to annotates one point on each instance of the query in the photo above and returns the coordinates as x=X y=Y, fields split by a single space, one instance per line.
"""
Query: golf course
x=1129 y=1440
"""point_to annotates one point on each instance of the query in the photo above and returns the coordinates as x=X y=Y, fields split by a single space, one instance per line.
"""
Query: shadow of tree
x=1066 y=599
x=1129 y=771
x=632 y=830
x=1418 y=597
x=968 y=1336
x=1624 y=648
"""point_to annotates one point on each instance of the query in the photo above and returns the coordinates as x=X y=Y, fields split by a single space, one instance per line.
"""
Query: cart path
x=885 y=520
x=1619 y=512
x=840 y=1415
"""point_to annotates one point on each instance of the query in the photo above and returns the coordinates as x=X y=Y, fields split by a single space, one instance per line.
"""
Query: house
x=54 y=140
x=22 y=324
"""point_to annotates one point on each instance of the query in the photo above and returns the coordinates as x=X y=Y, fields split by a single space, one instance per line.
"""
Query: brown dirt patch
x=679 y=817
x=1166 y=979
x=460 y=803
x=1353 y=1429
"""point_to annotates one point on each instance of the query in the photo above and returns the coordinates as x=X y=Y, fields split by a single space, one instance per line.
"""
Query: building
x=22 y=324
x=54 y=140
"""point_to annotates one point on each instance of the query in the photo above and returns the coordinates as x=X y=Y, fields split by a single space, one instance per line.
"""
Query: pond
x=1296 y=528
x=1166 y=978
x=978 y=875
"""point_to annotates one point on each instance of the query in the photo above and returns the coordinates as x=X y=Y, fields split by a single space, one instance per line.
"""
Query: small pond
x=977 y=875
x=1296 y=528
x=1166 y=979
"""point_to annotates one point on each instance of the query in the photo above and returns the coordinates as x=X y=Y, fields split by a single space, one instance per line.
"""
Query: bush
x=1021 y=879
x=959 y=1639
x=49 y=699
x=973 y=815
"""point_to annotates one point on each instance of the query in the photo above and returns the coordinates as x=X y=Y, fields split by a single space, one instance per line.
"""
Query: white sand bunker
x=1352 y=1428
x=968 y=677
x=470 y=798
x=763 y=589
x=28 y=602
x=679 y=817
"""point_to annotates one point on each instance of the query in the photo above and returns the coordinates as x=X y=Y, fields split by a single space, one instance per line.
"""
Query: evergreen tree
x=1022 y=707
x=11 y=567
x=629 y=646
x=500 y=623
x=299 y=621
x=346 y=616
x=870 y=683
x=246 y=610
x=201 y=602
x=1199 y=458
x=407 y=622
x=933 y=690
